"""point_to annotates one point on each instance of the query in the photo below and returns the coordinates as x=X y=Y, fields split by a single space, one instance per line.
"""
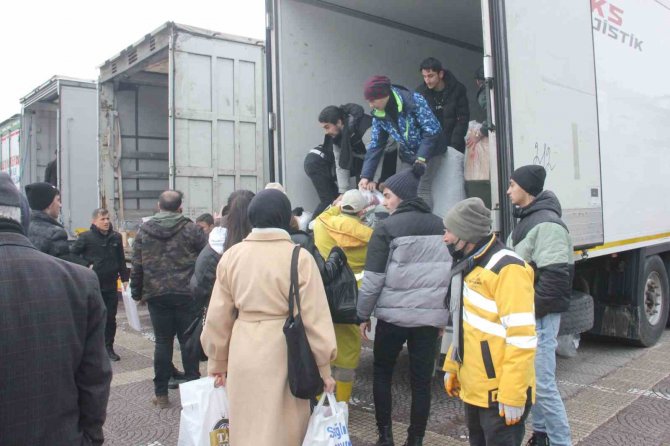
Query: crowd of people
x=224 y=282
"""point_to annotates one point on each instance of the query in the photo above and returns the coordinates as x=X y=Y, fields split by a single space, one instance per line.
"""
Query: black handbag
x=192 y=346
x=303 y=374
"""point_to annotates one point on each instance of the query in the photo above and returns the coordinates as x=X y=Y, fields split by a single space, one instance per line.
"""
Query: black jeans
x=111 y=300
x=171 y=315
x=421 y=343
x=487 y=428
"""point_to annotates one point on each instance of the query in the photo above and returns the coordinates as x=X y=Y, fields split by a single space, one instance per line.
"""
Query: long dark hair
x=237 y=221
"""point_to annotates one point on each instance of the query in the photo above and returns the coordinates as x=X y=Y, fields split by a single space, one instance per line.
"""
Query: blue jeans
x=548 y=411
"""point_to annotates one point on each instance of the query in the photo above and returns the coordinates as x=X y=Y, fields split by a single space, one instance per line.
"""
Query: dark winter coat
x=204 y=276
x=54 y=370
x=415 y=128
x=50 y=237
x=164 y=254
x=451 y=109
x=541 y=238
x=105 y=253
x=406 y=274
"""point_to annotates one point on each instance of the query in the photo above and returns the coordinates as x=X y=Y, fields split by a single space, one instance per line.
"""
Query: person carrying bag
x=328 y=426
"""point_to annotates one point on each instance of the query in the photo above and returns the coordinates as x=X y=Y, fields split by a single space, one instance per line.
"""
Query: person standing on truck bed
x=405 y=280
x=489 y=364
x=45 y=232
x=448 y=100
x=542 y=239
x=101 y=248
x=164 y=254
x=348 y=130
x=406 y=117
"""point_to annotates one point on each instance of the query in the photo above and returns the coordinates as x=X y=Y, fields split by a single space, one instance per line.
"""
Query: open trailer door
x=551 y=118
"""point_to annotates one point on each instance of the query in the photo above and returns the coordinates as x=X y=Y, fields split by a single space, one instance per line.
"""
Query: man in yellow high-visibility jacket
x=490 y=363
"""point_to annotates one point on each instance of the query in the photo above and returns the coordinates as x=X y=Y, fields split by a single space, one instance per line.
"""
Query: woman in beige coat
x=243 y=335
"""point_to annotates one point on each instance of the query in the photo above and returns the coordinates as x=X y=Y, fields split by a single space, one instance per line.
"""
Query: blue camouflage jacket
x=417 y=130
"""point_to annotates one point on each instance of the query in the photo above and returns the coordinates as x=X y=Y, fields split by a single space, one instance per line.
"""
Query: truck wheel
x=579 y=317
x=653 y=301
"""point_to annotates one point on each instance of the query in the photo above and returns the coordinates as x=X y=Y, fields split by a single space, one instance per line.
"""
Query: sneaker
x=162 y=401
x=112 y=356
x=538 y=439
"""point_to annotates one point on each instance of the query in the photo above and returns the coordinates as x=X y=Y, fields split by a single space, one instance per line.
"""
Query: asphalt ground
x=615 y=395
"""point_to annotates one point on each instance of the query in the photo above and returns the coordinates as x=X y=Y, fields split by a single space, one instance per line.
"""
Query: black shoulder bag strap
x=294 y=290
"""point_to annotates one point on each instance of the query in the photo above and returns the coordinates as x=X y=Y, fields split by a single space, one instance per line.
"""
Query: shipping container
x=59 y=123
x=182 y=109
x=9 y=148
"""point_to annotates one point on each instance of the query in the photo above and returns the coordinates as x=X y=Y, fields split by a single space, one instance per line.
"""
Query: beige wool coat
x=243 y=337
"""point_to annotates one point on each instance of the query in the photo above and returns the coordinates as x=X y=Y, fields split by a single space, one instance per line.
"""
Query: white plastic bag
x=204 y=414
x=328 y=425
x=131 y=310
x=477 y=157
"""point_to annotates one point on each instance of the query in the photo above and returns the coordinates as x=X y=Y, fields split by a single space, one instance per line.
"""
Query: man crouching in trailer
x=490 y=361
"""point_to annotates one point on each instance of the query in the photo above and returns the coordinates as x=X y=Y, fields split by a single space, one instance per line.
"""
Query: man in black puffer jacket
x=448 y=100
x=45 y=232
x=101 y=249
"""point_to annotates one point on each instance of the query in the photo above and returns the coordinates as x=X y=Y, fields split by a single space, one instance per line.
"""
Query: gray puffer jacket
x=406 y=275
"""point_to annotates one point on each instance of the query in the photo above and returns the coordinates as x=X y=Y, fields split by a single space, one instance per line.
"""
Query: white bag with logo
x=131 y=310
x=328 y=425
x=204 y=414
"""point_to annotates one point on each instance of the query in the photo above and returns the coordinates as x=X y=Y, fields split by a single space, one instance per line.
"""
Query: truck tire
x=653 y=301
x=579 y=317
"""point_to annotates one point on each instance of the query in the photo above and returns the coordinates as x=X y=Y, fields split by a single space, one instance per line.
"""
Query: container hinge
x=269 y=22
x=272 y=121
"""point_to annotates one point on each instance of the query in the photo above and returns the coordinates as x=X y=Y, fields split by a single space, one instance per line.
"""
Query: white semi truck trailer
x=574 y=86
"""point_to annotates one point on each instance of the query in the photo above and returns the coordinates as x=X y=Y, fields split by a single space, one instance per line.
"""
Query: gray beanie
x=469 y=220
x=11 y=196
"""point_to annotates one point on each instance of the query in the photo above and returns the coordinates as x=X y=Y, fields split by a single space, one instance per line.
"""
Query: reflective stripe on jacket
x=499 y=338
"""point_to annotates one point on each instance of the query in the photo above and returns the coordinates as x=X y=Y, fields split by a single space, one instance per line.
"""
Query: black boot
x=538 y=439
x=112 y=356
x=385 y=436
x=413 y=440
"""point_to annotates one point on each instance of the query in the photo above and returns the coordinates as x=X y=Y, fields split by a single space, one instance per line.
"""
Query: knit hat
x=377 y=87
x=353 y=202
x=270 y=208
x=11 y=196
x=469 y=220
x=41 y=195
x=530 y=178
x=405 y=183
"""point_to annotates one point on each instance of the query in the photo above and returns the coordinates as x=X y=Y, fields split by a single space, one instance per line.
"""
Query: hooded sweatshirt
x=541 y=238
x=335 y=228
x=164 y=255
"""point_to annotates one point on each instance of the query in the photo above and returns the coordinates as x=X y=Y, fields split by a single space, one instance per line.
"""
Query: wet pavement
x=614 y=394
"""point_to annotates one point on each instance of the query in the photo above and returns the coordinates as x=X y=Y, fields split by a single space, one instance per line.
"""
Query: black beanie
x=530 y=178
x=41 y=195
x=270 y=208
x=404 y=183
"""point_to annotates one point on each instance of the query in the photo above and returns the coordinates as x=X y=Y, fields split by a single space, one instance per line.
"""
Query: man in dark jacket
x=448 y=99
x=45 y=232
x=407 y=297
x=319 y=166
x=102 y=250
x=541 y=238
x=164 y=254
x=54 y=369
x=348 y=130
x=406 y=117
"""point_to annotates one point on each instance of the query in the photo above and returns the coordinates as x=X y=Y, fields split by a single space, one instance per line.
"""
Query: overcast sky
x=73 y=37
